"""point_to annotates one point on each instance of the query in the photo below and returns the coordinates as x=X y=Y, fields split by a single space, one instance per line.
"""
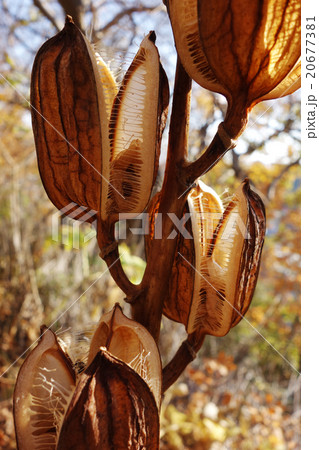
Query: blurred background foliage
x=243 y=390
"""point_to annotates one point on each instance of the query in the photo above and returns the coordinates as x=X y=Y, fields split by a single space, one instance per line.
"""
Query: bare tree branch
x=120 y=15
x=271 y=187
x=46 y=13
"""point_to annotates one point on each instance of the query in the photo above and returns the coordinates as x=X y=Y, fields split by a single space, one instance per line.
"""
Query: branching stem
x=185 y=354
x=110 y=254
x=149 y=306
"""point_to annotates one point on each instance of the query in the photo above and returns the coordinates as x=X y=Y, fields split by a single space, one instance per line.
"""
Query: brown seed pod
x=112 y=408
x=138 y=118
x=247 y=52
x=267 y=43
x=70 y=91
x=205 y=209
x=43 y=389
x=202 y=213
x=130 y=342
x=89 y=153
x=180 y=292
x=227 y=269
x=215 y=273
x=184 y=20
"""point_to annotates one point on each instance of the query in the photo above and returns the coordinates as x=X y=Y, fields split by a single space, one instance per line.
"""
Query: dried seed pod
x=247 y=52
x=267 y=43
x=130 y=342
x=71 y=90
x=227 y=270
x=112 y=408
x=202 y=213
x=44 y=387
x=287 y=86
x=184 y=20
x=251 y=254
x=180 y=292
x=215 y=273
x=89 y=153
x=138 y=118
x=205 y=209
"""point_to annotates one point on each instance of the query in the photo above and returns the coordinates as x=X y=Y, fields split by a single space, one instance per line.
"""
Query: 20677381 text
x=310 y=66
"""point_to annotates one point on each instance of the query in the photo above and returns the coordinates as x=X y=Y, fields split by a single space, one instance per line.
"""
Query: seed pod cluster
x=97 y=145
x=217 y=269
x=114 y=403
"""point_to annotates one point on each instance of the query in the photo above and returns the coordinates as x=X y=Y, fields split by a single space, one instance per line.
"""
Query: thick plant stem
x=214 y=152
x=112 y=259
x=110 y=254
x=185 y=354
x=149 y=305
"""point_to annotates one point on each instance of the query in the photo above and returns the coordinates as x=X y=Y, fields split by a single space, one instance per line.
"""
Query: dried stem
x=184 y=355
x=149 y=306
x=110 y=254
x=214 y=152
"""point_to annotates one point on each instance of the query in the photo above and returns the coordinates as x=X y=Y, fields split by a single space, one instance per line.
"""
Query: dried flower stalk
x=98 y=147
